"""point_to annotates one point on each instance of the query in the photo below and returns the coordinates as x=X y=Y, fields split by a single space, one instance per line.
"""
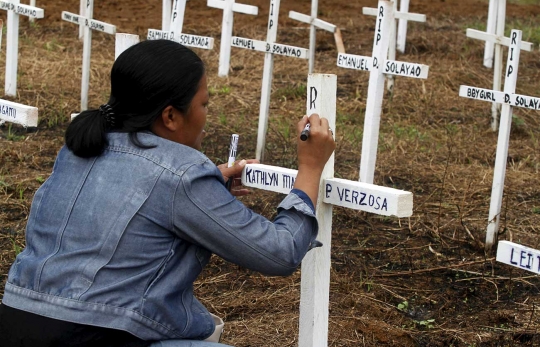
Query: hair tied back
x=107 y=112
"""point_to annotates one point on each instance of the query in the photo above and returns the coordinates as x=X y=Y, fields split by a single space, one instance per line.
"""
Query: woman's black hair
x=145 y=79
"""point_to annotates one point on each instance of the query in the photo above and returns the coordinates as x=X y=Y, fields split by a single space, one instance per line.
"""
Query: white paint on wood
x=402 y=27
x=185 y=39
x=519 y=256
x=495 y=39
x=228 y=7
x=89 y=24
x=123 y=42
x=18 y=113
x=356 y=62
x=82 y=12
x=274 y=48
x=14 y=10
x=314 y=23
x=489 y=50
x=166 y=15
x=32 y=19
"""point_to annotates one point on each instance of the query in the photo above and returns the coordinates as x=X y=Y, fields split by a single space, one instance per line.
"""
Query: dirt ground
x=418 y=281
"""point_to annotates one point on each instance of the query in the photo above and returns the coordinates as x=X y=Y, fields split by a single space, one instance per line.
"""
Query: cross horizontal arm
x=91 y=23
x=501 y=40
x=185 y=39
x=415 y=17
x=315 y=21
x=350 y=194
x=240 y=8
x=18 y=113
x=400 y=68
x=274 y=48
x=356 y=62
x=515 y=100
x=518 y=256
x=24 y=10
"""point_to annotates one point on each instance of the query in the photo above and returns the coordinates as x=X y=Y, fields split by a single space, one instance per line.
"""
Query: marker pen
x=305 y=133
x=232 y=157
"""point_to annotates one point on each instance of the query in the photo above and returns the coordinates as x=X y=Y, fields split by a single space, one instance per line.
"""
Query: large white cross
x=14 y=9
x=270 y=48
x=508 y=99
x=378 y=66
x=498 y=40
x=314 y=24
x=89 y=25
x=17 y=113
x=175 y=31
x=228 y=7
x=398 y=38
x=315 y=281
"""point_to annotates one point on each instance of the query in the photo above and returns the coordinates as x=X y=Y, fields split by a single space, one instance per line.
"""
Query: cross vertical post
x=123 y=42
x=402 y=27
x=315 y=282
x=490 y=29
x=228 y=7
x=166 y=15
x=314 y=23
x=14 y=10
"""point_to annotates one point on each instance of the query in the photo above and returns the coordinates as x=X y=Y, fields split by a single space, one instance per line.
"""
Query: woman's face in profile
x=192 y=131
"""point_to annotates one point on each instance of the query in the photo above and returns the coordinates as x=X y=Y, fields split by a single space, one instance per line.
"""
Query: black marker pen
x=305 y=133
x=232 y=157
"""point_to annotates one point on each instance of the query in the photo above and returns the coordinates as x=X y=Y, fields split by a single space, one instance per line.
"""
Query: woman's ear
x=170 y=118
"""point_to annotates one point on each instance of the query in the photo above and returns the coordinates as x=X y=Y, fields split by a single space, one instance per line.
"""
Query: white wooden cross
x=314 y=24
x=498 y=40
x=166 y=15
x=14 y=9
x=315 y=281
x=89 y=25
x=123 y=42
x=270 y=48
x=508 y=99
x=403 y=16
x=17 y=113
x=228 y=7
x=175 y=31
x=489 y=49
x=378 y=66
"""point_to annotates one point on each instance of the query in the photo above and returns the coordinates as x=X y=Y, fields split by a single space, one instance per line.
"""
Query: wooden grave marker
x=89 y=25
x=166 y=13
x=15 y=9
x=314 y=23
x=269 y=47
x=378 y=66
x=403 y=16
x=315 y=281
x=12 y=112
x=175 y=31
x=498 y=40
x=489 y=49
x=228 y=7
x=123 y=42
x=509 y=99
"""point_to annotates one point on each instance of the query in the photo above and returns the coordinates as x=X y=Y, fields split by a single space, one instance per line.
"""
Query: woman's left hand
x=234 y=173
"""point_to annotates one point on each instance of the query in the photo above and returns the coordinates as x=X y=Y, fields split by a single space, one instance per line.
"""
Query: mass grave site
x=427 y=279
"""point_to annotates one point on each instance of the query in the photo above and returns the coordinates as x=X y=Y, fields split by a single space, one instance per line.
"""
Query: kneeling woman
x=133 y=211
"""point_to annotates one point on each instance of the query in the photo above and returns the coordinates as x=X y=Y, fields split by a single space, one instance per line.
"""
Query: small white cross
x=14 y=9
x=18 y=113
x=228 y=7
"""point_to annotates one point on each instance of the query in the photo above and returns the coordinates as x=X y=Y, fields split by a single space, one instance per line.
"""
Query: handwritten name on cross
x=498 y=40
x=378 y=66
x=315 y=282
x=89 y=24
x=175 y=31
x=228 y=7
x=403 y=16
x=270 y=48
x=314 y=23
x=14 y=10
x=508 y=99
x=17 y=113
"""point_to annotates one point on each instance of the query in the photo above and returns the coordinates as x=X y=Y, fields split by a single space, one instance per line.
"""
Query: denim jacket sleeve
x=206 y=214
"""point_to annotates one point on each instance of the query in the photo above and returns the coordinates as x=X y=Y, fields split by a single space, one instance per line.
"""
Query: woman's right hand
x=313 y=154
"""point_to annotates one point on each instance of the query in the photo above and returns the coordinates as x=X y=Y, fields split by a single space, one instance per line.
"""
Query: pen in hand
x=232 y=158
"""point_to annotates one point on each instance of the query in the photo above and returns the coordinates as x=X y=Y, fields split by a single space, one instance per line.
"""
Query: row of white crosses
x=174 y=33
x=14 y=10
x=396 y=38
x=509 y=99
x=88 y=24
x=378 y=66
x=315 y=281
x=495 y=40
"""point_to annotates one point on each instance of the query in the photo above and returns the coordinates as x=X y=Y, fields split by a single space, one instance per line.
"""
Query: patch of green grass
x=224 y=90
x=12 y=136
x=291 y=92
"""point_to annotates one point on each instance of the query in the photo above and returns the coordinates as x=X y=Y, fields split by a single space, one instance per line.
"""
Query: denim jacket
x=117 y=240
